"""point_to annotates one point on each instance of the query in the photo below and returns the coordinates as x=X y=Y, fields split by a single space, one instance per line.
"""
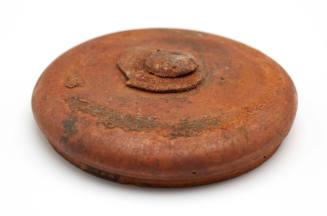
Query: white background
x=34 y=180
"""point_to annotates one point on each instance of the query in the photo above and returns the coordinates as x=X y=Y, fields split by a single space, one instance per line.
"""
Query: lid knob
x=169 y=64
x=157 y=70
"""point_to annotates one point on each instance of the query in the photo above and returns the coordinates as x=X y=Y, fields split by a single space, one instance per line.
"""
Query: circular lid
x=164 y=107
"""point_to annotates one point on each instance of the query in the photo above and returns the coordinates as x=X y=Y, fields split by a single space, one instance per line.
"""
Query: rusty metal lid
x=164 y=107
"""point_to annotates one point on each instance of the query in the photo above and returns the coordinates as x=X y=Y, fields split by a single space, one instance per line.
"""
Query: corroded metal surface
x=164 y=107
x=169 y=64
x=160 y=70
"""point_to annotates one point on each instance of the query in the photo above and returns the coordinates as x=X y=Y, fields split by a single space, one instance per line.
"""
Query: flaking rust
x=74 y=80
x=110 y=118
x=164 y=107
x=159 y=70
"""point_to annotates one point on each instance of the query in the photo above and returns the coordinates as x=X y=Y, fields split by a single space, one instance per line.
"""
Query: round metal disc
x=217 y=109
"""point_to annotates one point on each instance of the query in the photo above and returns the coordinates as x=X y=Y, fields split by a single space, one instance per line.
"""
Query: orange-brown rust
x=169 y=64
x=73 y=80
x=164 y=107
x=115 y=119
x=160 y=70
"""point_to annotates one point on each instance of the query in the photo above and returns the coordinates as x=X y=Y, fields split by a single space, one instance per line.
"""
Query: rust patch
x=186 y=128
x=69 y=129
x=169 y=64
x=100 y=173
x=111 y=118
x=114 y=119
x=73 y=81
x=158 y=70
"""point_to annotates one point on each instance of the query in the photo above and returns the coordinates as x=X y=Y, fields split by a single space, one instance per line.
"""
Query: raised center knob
x=169 y=64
